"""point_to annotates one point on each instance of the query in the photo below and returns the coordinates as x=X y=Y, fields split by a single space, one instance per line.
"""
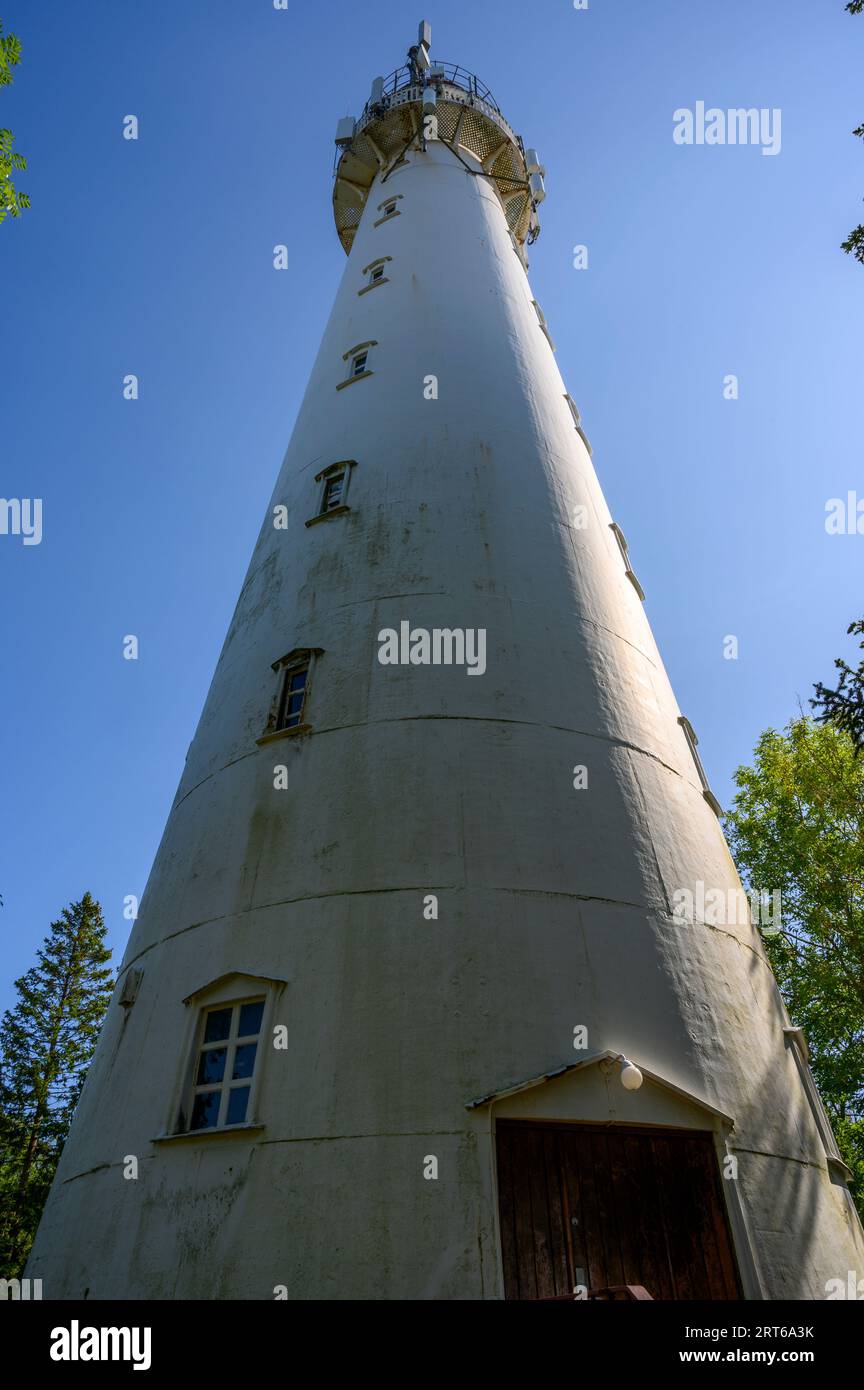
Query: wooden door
x=604 y=1205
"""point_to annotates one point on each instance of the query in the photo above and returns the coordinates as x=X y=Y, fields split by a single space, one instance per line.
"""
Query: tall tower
x=440 y=884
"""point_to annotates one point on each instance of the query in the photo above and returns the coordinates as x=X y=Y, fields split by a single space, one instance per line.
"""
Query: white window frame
x=230 y=1044
x=800 y=1051
x=360 y=351
x=376 y=274
x=625 y=555
x=692 y=740
x=343 y=467
x=577 y=421
x=334 y=487
x=238 y=988
x=541 y=319
x=388 y=203
x=294 y=668
x=300 y=658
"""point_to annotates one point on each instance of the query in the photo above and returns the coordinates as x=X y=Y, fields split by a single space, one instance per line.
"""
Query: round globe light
x=631 y=1077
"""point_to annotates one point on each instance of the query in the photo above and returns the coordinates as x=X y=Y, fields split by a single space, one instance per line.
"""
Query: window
x=625 y=555
x=289 y=706
x=376 y=274
x=224 y=1057
x=577 y=421
x=357 y=358
x=692 y=740
x=333 y=492
x=332 y=498
x=388 y=209
x=801 y=1053
x=293 y=697
x=225 y=1064
x=541 y=319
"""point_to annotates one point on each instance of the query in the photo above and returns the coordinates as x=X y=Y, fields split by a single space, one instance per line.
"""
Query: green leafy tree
x=854 y=243
x=11 y=201
x=845 y=705
x=797 y=824
x=46 y=1043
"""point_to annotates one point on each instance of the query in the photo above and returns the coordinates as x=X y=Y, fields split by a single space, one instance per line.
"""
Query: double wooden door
x=601 y=1206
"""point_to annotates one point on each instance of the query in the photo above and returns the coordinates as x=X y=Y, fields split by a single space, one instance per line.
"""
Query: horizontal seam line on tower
x=769 y=1153
x=452 y=718
x=375 y=892
x=381 y=1134
x=301 y=1139
x=659 y=911
x=416 y=1133
x=500 y=598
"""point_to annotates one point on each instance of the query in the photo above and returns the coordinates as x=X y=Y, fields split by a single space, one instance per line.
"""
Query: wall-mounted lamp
x=631 y=1076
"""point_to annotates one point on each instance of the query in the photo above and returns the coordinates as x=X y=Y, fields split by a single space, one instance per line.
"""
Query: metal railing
x=452 y=73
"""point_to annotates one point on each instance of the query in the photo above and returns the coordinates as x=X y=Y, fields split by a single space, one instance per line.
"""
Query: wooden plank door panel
x=612 y=1205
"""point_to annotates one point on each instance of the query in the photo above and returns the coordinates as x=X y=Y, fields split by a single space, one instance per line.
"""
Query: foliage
x=845 y=705
x=797 y=824
x=46 y=1042
x=854 y=243
x=11 y=201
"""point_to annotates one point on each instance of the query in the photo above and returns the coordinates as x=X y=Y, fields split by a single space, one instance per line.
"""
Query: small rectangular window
x=289 y=706
x=801 y=1054
x=625 y=555
x=692 y=740
x=333 y=489
x=388 y=208
x=357 y=358
x=293 y=697
x=375 y=274
x=225 y=1064
x=333 y=483
x=541 y=319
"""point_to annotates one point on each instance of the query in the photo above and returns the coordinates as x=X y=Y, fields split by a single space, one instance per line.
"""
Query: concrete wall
x=554 y=904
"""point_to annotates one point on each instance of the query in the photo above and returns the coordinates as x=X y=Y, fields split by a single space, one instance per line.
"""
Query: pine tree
x=46 y=1043
x=845 y=705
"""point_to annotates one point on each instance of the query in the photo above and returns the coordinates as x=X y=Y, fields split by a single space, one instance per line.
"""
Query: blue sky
x=155 y=257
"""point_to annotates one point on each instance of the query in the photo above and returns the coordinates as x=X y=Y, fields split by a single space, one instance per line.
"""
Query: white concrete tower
x=408 y=915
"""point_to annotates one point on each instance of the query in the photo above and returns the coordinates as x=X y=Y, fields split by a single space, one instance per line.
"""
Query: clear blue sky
x=155 y=257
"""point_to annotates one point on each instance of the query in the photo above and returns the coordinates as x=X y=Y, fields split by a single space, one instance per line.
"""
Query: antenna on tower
x=418 y=54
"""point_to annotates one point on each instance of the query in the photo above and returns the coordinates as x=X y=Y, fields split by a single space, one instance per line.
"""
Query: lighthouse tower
x=441 y=986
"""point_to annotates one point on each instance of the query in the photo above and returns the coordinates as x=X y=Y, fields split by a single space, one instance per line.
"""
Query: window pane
x=218 y=1025
x=211 y=1066
x=205 y=1111
x=238 y=1100
x=333 y=495
x=244 y=1061
x=295 y=704
x=298 y=680
x=250 y=1019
